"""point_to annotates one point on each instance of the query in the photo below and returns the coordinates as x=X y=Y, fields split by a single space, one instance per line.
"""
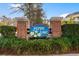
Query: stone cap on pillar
x=21 y=19
x=56 y=18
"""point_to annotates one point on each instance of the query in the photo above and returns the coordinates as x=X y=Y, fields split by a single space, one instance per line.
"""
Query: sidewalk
x=73 y=54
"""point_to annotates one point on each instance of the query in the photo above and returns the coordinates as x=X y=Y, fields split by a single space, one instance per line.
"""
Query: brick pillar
x=56 y=27
x=22 y=26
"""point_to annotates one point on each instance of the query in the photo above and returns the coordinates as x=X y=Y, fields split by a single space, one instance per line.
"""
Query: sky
x=50 y=9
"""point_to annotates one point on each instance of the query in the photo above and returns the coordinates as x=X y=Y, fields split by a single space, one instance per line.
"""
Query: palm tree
x=33 y=11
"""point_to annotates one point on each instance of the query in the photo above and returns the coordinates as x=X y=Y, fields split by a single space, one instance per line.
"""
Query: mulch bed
x=8 y=51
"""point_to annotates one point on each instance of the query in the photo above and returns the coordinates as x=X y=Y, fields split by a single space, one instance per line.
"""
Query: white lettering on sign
x=39 y=31
x=38 y=28
x=44 y=32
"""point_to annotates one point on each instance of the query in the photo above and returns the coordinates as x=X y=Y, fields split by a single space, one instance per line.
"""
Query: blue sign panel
x=39 y=30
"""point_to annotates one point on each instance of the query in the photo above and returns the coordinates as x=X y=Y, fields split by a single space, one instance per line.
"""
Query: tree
x=4 y=19
x=32 y=11
x=7 y=21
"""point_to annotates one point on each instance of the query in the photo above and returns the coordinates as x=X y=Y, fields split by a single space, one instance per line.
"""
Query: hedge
x=8 y=31
x=70 y=30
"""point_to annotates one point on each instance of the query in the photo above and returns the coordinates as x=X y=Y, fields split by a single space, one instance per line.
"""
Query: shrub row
x=70 y=30
x=8 y=31
x=67 y=30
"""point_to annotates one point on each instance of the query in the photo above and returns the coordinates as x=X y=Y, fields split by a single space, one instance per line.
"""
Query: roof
x=75 y=13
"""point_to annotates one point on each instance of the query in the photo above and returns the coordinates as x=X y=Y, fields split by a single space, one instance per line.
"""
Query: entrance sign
x=39 y=30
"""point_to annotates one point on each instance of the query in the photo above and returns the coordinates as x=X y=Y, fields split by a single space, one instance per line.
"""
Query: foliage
x=70 y=30
x=2 y=24
x=74 y=41
x=39 y=21
x=8 y=31
x=67 y=22
x=55 y=45
x=69 y=41
x=64 y=44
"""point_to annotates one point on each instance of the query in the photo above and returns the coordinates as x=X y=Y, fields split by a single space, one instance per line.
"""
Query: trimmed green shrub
x=8 y=31
x=70 y=30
